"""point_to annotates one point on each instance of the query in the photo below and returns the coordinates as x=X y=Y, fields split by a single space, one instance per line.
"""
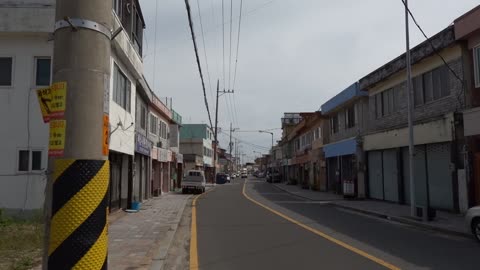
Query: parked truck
x=194 y=182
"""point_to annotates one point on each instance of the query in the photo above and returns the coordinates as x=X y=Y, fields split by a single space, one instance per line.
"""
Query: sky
x=294 y=55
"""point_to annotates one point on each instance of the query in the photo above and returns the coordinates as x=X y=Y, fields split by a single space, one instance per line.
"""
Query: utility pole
x=219 y=93
x=76 y=199
x=230 y=146
x=216 y=137
x=411 y=145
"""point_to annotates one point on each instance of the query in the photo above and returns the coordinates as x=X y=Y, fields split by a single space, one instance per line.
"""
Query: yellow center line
x=324 y=235
x=193 y=234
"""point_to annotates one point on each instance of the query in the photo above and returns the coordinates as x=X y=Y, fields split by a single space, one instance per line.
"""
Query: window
x=318 y=133
x=385 y=103
x=6 y=71
x=350 y=117
x=334 y=124
x=143 y=117
x=29 y=160
x=23 y=160
x=417 y=84
x=153 y=124
x=163 y=130
x=121 y=89
x=36 y=160
x=42 y=71
x=431 y=85
x=476 y=62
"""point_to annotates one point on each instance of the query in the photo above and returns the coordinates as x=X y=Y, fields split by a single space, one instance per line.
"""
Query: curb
x=303 y=197
x=160 y=255
x=405 y=221
x=385 y=216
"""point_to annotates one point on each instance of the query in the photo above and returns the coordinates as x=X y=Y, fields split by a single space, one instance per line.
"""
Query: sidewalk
x=141 y=240
x=444 y=222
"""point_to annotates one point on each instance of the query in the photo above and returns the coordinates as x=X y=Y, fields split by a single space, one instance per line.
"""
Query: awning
x=342 y=148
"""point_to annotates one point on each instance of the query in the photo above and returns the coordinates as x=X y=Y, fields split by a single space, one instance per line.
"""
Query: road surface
x=255 y=225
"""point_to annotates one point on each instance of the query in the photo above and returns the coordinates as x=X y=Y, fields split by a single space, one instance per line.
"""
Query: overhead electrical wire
x=187 y=6
x=435 y=50
x=230 y=43
x=223 y=41
x=238 y=44
x=204 y=50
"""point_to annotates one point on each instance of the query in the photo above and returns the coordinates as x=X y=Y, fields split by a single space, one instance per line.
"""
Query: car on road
x=194 y=182
x=222 y=178
x=244 y=175
x=472 y=219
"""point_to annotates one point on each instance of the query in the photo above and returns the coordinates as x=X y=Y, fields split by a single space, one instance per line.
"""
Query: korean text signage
x=52 y=101
x=57 y=138
x=142 y=144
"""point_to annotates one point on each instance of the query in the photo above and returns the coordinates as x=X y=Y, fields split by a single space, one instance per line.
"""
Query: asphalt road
x=233 y=232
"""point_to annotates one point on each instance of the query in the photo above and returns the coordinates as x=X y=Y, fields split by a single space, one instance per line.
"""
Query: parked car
x=472 y=219
x=194 y=182
x=221 y=178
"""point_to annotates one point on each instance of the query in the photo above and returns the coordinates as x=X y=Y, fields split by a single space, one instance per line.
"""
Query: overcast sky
x=294 y=55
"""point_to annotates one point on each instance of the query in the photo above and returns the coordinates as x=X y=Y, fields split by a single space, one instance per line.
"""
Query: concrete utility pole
x=76 y=197
x=411 y=145
x=219 y=93
x=230 y=145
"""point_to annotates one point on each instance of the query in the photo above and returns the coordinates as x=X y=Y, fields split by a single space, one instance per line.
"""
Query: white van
x=194 y=181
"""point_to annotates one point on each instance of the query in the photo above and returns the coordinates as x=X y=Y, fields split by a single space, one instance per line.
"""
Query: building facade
x=347 y=121
x=196 y=142
x=26 y=51
x=467 y=32
x=438 y=133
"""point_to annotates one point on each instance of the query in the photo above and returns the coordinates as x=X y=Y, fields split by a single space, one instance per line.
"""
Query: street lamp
x=271 y=133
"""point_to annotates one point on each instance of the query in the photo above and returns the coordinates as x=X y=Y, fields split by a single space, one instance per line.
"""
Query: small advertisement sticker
x=57 y=138
x=59 y=99
x=44 y=98
x=106 y=134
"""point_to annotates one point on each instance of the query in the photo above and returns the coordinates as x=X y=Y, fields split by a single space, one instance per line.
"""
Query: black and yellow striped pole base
x=78 y=234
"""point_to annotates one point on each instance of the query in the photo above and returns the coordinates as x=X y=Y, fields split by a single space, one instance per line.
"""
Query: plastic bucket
x=136 y=206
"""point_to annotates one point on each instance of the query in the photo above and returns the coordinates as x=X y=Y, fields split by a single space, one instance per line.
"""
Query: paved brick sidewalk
x=444 y=222
x=138 y=240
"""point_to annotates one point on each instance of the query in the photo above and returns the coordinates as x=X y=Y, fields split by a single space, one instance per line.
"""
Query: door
x=115 y=180
x=476 y=178
x=390 y=175
x=375 y=175
x=440 y=186
x=406 y=175
x=419 y=172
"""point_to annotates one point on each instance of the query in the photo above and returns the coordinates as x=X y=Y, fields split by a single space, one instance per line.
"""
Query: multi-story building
x=143 y=146
x=467 y=32
x=26 y=50
x=347 y=120
x=174 y=136
x=289 y=121
x=196 y=146
x=439 y=97
x=159 y=121
x=126 y=70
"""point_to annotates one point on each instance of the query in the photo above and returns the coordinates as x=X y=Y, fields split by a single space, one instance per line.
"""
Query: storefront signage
x=179 y=158
x=57 y=138
x=162 y=155
x=169 y=156
x=154 y=153
x=142 y=144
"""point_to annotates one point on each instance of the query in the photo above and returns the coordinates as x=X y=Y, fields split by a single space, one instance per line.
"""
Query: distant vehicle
x=194 y=182
x=244 y=174
x=472 y=219
x=221 y=178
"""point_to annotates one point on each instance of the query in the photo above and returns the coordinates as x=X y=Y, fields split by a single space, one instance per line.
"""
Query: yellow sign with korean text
x=57 y=138
x=59 y=100
x=44 y=98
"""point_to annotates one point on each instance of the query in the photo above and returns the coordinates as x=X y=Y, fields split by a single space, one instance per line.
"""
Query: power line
x=238 y=44
x=435 y=50
x=155 y=46
x=204 y=48
x=187 y=6
x=246 y=142
x=223 y=41
x=230 y=52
